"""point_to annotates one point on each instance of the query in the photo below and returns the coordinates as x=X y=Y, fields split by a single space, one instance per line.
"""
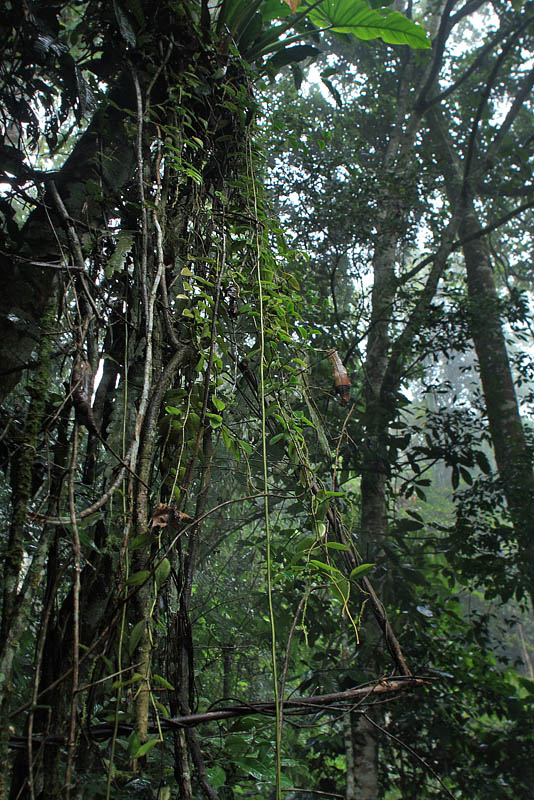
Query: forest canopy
x=266 y=422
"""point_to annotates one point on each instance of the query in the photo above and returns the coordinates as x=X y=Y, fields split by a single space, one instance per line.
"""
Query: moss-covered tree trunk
x=20 y=581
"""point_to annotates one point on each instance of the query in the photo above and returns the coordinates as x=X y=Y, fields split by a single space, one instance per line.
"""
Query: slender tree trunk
x=511 y=451
x=350 y=774
x=366 y=761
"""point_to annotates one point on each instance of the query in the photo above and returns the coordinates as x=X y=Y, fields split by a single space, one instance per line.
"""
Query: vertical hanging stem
x=266 y=490
x=76 y=616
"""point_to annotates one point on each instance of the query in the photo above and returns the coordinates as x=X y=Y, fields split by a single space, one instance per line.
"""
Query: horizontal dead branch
x=300 y=705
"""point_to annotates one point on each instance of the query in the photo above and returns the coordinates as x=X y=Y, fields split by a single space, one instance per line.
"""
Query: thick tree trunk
x=24 y=286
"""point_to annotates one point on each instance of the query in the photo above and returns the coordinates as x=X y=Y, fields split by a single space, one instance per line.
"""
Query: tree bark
x=366 y=761
x=25 y=287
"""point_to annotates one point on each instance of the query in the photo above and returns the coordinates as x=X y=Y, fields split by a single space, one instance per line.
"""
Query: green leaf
x=340 y=590
x=135 y=635
x=125 y=241
x=324 y=494
x=325 y=567
x=355 y=17
x=409 y=525
x=255 y=768
x=138 y=578
x=298 y=75
x=133 y=743
x=164 y=710
x=246 y=446
x=336 y=546
x=87 y=541
x=162 y=572
x=136 y=677
x=143 y=540
x=143 y=750
x=359 y=572
x=217 y=776
x=466 y=475
x=333 y=91
x=161 y=681
x=305 y=544
x=293 y=282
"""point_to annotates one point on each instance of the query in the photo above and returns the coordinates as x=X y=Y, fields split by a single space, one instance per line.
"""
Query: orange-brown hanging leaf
x=341 y=378
x=167 y=516
x=293 y=5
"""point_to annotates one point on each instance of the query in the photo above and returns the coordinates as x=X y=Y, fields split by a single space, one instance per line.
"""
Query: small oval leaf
x=359 y=572
x=162 y=572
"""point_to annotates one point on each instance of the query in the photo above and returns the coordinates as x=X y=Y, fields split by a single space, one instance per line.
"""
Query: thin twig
x=75 y=246
x=412 y=752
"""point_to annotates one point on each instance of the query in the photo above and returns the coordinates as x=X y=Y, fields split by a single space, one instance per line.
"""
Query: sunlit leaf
x=355 y=17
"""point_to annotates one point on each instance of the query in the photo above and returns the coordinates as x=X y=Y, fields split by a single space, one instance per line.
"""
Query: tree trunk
x=506 y=429
x=24 y=286
x=511 y=452
x=366 y=761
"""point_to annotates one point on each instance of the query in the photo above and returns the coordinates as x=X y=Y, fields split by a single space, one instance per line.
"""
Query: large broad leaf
x=355 y=17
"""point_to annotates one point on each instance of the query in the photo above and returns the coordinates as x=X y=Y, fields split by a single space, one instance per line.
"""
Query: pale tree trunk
x=366 y=761
x=350 y=775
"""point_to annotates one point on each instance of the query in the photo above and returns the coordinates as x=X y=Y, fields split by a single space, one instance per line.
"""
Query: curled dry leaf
x=167 y=516
x=341 y=378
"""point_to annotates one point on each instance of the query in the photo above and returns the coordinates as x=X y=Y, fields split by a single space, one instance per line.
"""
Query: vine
x=277 y=698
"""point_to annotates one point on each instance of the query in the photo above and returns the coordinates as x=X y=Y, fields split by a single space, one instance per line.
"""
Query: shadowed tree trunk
x=25 y=286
